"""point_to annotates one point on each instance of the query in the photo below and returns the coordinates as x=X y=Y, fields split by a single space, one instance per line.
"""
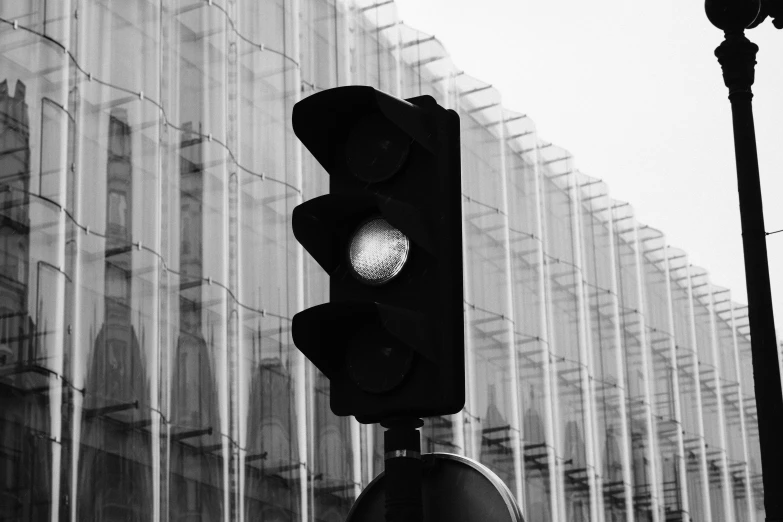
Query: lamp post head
x=732 y=15
x=772 y=9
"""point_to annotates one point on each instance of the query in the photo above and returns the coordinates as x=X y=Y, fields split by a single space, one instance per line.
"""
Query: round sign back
x=454 y=489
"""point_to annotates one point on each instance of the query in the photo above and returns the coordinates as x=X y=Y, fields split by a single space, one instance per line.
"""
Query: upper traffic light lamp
x=389 y=234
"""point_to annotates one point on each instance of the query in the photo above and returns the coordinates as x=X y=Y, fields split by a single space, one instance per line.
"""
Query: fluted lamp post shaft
x=737 y=57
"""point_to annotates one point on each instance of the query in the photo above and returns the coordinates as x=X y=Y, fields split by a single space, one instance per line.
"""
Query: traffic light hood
x=325 y=343
x=324 y=120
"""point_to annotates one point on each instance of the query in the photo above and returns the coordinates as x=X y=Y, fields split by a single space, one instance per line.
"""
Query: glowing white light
x=377 y=252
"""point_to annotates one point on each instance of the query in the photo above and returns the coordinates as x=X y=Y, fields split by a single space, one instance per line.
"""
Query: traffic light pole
x=402 y=478
x=737 y=56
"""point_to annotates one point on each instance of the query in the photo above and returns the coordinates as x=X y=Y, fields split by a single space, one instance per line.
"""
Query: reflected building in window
x=273 y=466
x=17 y=341
x=196 y=448
x=333 y=483
x=25 y=485
x=537 y=483
x=577 y=488
x=496 y=434
x=614 y=502
x=14 y=202
x=115 y=482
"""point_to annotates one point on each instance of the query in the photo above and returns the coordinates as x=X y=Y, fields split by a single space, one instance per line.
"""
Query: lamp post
x=737 y=57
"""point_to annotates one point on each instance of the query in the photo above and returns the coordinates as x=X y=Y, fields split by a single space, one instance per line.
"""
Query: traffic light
x=389 y=234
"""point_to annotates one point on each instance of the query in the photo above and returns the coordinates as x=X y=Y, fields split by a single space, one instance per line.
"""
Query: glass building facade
x=148 y=276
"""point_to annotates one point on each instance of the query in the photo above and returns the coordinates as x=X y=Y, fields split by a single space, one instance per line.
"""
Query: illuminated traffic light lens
x=377 y=252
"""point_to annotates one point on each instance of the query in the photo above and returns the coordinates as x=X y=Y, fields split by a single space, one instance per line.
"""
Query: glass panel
x=492 y=410
x=607 y=370
x=571 y=411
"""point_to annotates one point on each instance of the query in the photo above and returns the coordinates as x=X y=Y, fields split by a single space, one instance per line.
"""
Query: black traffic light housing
x=394 y=348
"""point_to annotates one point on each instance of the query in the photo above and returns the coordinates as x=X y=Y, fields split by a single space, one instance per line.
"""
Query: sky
x=633 y=90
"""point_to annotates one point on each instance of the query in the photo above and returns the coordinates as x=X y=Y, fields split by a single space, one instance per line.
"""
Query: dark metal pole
x=737 y=57
x=402 y=477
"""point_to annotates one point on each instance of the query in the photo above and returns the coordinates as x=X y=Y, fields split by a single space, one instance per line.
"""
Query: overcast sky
x=635 y=93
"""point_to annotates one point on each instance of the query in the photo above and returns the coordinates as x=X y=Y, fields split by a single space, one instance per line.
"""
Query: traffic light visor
x=361 y=132
x=376 y=149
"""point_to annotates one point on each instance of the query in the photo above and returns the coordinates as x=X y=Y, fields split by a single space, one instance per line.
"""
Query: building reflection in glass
x=115 y=482
x=537 y=484
x=496 y=435
x=195 y=488
x=24 y=403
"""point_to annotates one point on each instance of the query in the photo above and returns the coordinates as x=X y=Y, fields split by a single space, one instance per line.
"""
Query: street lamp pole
x=737 y=57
